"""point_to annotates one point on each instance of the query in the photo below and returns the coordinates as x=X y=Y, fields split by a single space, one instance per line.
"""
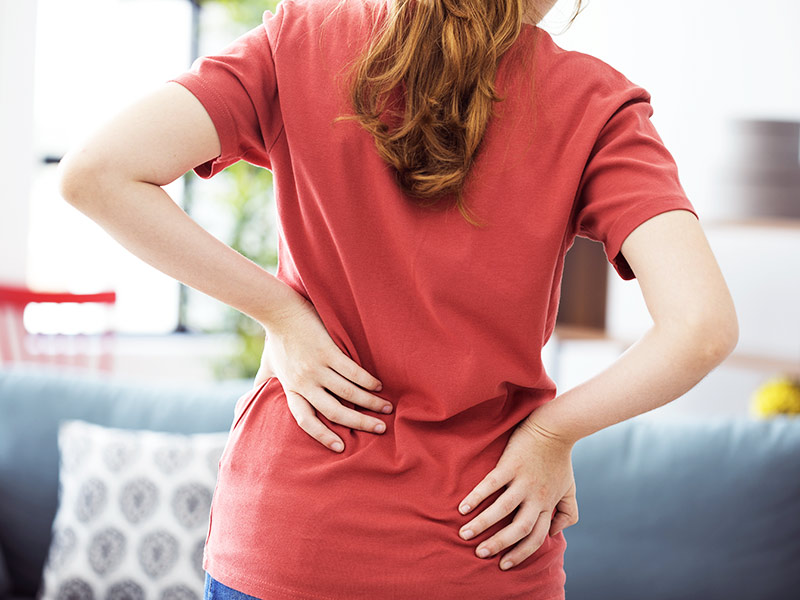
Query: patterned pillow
x=133 y=514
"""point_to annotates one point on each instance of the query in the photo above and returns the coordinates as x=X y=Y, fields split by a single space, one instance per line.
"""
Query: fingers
x=493 y=481
x=337 y=384
x=303 y=413
x=336 y=412
x=504 y=505
x=521 y=526
x=305 y=403
x=530 y=525
x=351 y=370
x=530 y=543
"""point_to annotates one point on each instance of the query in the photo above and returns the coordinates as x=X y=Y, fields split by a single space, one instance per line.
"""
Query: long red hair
x=443 y=55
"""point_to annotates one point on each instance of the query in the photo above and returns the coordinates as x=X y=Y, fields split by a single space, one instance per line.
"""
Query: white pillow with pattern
x=133 y=513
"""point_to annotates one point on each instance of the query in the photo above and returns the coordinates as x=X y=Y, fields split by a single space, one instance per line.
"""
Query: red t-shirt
x=451 y=318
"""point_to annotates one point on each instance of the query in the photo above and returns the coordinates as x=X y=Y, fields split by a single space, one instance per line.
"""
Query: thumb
x=264 y=372
x=566 y=516
x=264 y=368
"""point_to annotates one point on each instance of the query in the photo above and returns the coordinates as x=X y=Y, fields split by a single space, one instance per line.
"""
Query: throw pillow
x=133 y=513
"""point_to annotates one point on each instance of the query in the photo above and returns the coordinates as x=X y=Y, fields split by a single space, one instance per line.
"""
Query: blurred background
x=697 y=499
x=726 y=99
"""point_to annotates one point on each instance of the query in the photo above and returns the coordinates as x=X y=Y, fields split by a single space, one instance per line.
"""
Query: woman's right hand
x=300 y=353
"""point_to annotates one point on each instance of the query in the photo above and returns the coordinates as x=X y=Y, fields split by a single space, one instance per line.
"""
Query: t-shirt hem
x=254 y=586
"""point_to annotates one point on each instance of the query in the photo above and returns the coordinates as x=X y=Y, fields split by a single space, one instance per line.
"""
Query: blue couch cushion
x=33 y=400
x=704 y=508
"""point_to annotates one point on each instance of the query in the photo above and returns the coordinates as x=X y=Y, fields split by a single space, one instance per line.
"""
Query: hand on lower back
x=537 y=472
x=300 y=353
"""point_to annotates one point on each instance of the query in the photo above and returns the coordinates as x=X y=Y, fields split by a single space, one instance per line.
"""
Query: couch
x=669 y=509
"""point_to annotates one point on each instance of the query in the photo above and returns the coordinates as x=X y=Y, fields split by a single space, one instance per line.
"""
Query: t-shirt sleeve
x=239 y=90
x=629 y=177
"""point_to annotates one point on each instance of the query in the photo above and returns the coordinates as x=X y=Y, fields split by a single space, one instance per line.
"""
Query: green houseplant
x=249 y=202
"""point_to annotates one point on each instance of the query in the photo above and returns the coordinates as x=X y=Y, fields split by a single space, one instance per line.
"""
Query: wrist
x=544 y=422
x=287 y=303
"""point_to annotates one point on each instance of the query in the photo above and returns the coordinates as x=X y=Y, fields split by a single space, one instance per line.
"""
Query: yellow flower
x=780 y=395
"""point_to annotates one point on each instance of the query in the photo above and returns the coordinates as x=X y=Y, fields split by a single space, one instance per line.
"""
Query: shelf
x=577 y=332
x=767 y=364
x=766 y=222
x=764 y=363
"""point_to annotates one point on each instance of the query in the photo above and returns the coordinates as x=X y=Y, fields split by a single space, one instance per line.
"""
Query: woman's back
x=450 y=317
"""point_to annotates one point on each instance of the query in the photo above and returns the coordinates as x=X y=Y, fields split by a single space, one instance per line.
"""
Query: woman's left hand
x=536 y=467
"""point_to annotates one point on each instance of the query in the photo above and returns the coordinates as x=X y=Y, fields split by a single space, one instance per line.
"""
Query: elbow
x=711 y=338
x=69 y=178
x=78 y=178
x=716 y=338
x=723 y=344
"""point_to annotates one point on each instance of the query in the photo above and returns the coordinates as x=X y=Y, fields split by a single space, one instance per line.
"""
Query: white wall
x=17 y=45
x=93 y=58
x=704 y=63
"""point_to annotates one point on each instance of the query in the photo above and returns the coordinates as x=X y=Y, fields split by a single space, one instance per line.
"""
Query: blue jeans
x=215 y=590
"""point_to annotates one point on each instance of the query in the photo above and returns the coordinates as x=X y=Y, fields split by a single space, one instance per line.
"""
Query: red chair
x=18 y=345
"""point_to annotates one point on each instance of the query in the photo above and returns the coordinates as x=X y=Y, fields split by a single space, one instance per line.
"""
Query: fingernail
x=338 y=446
x=464 y=508
x=379 y=387
x=379 y=428
x=467 y=533
x=483 y=552
x=387 y=409
x=506 y=565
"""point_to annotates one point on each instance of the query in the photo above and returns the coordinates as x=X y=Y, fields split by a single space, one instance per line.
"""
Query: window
x=92 y=58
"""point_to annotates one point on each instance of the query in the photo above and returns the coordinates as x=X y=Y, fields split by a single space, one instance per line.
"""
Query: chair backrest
x=88 y=351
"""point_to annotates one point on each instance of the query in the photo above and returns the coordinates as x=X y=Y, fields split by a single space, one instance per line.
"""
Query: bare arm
x=695 y=328
x=115 y=178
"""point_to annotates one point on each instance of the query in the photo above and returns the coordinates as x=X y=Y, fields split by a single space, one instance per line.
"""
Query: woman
x=402 y=438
